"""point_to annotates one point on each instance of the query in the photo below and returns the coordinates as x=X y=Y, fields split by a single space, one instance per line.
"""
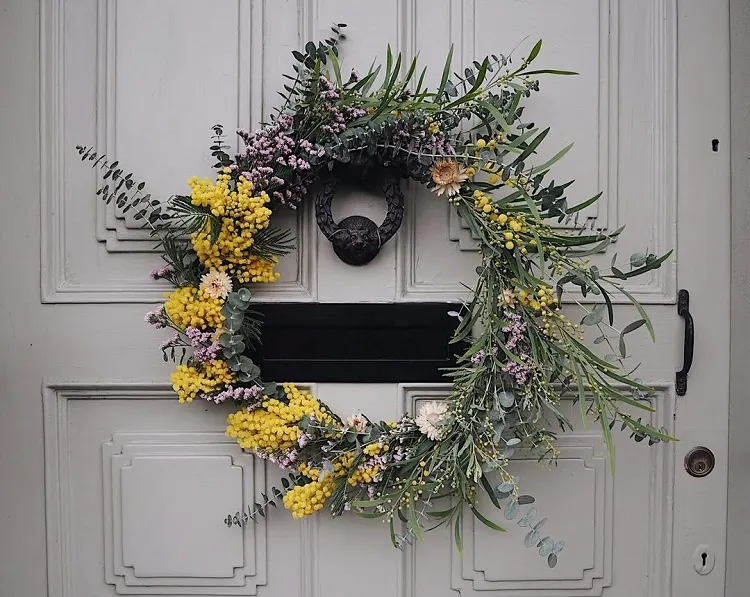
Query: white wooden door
x=112 y=487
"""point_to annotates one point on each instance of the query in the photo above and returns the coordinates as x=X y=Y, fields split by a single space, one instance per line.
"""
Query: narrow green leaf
x=490 y=491
x=531 y=147
x=584 y=204
x=457 y=536
x=549 y=71
x=642 y=311
x=446 y=73
x=534 y=52
x=336 y=67
x=486 y=521
x=546 y=165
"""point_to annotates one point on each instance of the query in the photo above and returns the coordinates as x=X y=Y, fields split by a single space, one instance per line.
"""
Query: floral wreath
x=519 y=353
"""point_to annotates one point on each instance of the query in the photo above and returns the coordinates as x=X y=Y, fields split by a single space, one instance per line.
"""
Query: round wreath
x=467 y=140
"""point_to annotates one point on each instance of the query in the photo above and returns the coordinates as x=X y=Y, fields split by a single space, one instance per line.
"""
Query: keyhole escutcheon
x=703 y=559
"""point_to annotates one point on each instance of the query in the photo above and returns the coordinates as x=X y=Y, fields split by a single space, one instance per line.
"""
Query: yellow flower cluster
x=360 y=475
x=189 y=381
x=308 y=471
x=375 y=448
x=484 y=144
x=242 y=216
x=544 y=299
x=364 y=475
x=275 y=426
x=512 y=227
x=192 y=307
x=305 y=500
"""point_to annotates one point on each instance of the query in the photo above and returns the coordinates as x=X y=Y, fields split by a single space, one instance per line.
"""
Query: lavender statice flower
x=353 y=112
x=303 y=439
x=204 y=348
x=337 y=117
x=478 y=357
x=161 y=272
x=516 y=330
x=250 y=397
x=312 y=150
x=285 y=461
x=175 y=340
x=520 y=372
x=157 y=318
x=270 y=147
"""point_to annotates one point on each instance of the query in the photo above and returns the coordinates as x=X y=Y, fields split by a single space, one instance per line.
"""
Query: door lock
x=699 y=462
x=704 y=559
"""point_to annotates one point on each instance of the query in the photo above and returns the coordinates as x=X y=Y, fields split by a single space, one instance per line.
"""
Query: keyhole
x=715 y=145
x=704 y=557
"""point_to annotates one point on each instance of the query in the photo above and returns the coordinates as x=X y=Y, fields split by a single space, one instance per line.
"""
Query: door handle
x=683 y=310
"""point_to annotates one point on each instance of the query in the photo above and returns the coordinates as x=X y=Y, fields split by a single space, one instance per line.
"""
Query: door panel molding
x=583 y=453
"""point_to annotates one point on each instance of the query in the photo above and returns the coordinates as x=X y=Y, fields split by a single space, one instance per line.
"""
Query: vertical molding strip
x=51 y=142
x=663 y=25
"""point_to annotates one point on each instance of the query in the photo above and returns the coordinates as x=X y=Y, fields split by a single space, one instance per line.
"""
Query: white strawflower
x=430 y=418
x=216 y=284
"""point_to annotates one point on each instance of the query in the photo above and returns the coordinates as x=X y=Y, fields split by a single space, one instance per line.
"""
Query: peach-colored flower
x=448 y=176
x=358 y=422
x=508 y=297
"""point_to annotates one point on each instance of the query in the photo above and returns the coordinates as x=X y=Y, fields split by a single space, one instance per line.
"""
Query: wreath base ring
x=520 y=354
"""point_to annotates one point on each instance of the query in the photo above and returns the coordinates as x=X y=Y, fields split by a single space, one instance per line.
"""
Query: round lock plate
x=699 y=462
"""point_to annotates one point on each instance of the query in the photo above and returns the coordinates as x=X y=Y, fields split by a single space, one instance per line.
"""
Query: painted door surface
x=109 y=486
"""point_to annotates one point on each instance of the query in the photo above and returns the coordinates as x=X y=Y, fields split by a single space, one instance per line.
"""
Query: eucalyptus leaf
x=506 y=399
x=637 y=260
x=546 y=546
x=596 y=316
x=511 y=510
x=505 y=487
x=528 y=518
x=532 y=539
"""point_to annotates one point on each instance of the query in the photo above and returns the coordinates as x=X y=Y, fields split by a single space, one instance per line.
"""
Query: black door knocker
x=356 y=239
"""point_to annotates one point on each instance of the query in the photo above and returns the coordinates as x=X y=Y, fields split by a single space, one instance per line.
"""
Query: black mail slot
x=363 y=342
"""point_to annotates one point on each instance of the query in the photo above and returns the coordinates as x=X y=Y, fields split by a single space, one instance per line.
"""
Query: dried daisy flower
x=358 y=422
x=508 y=298
x=217 y=285
x=448 y=176
x=430 y=418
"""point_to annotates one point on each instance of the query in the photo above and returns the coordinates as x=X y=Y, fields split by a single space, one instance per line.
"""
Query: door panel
x=128 y=489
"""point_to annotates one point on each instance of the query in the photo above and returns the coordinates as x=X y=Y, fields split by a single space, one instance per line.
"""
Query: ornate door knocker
x=356 y=239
